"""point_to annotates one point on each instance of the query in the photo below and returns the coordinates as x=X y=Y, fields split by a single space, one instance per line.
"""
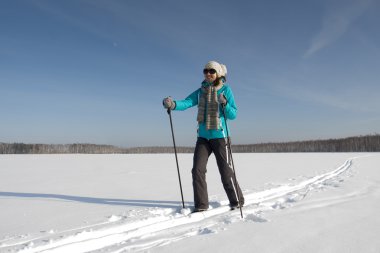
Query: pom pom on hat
x=221 y=70
x=224 y=69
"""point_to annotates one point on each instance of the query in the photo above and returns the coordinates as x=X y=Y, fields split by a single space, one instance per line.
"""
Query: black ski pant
x=203 y=150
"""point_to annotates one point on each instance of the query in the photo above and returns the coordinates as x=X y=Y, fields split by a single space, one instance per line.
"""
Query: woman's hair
x=219 y=80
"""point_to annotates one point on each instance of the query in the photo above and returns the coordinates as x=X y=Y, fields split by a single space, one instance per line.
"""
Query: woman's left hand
x=222 y=99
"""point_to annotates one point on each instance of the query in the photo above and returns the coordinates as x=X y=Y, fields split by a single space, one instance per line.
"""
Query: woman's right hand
x=168 y=103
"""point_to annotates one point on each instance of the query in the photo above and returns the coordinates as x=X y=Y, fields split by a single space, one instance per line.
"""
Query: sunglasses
x=211 y=71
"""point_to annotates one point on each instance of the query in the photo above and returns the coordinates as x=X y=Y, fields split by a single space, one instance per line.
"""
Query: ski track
x=153 y=227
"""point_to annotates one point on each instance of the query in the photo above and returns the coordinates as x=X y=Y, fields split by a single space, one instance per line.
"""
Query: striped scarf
x=208 y=106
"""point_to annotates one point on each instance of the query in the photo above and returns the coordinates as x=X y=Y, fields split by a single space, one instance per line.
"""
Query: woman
x=211 y=98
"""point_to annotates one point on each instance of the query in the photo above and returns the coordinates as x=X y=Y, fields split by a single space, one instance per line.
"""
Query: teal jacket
x=230 y=109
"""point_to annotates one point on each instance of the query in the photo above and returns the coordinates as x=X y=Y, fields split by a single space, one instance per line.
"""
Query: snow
x=295 y=202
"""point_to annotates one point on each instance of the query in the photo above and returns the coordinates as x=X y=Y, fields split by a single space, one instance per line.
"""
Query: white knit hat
x=221 y=70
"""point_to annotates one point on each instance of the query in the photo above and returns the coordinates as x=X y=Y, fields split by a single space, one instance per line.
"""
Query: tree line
x=367 y=143
x=77 y=148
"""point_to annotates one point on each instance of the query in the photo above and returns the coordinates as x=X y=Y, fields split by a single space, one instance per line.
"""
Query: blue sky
x=96 y=71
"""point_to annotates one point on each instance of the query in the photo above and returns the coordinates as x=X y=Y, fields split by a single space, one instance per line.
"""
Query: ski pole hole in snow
x=254 y=217
x=206 y=231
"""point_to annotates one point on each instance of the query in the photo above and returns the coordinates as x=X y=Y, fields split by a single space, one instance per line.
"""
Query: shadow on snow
x=102 y=201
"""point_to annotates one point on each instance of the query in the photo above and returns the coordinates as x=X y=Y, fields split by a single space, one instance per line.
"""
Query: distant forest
x=367 y=143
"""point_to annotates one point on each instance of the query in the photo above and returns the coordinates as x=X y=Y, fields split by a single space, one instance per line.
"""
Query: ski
x=211 y=211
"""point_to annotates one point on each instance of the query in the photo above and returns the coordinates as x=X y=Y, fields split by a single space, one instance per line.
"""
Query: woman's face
x=210 y=75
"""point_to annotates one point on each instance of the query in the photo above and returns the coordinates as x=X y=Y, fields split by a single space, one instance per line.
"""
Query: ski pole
x=176 y=158
x=232 y=160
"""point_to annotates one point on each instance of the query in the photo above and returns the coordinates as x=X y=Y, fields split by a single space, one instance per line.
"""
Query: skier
x=212 y=97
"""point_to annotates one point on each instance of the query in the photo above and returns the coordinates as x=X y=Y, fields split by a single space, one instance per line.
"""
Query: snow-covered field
x=324 y=202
